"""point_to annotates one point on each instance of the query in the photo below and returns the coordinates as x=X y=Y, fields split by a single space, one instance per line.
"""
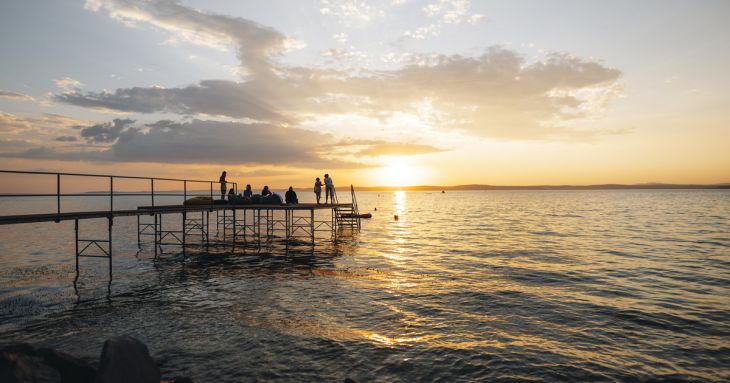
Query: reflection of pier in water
x=244 y=226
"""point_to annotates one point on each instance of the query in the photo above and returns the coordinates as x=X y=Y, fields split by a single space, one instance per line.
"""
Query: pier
x=183 y=226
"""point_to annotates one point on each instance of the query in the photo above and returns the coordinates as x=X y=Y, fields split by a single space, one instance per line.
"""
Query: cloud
x=382 y=148
x=211 y=97
x=476 y=18
x=46 y=122
x=106 y=132
x=14 y=145
x=444 y=12
x=352 y=13
x=66 y=138
x=497 y=94
x=68 y=84
x=255 y=43
x=213 y=142
x=15 y=96
x=340 y=37
x=10 y=122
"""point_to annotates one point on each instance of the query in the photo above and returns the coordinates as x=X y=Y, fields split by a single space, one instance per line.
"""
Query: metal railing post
x=111 y=194
x=152 y=193
x=185 y=190
x=58 y=197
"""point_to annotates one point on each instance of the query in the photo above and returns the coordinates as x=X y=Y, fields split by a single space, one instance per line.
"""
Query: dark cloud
x=66 y=138
x=107 y=132
x=214 y=142
x=211 y=97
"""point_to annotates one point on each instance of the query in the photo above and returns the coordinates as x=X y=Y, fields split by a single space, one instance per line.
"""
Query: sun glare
x=398 y=171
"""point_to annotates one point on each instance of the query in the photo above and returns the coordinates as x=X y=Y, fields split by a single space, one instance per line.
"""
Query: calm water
x=467 y=286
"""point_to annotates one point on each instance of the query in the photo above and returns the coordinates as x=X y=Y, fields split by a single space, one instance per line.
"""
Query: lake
x=491 y=286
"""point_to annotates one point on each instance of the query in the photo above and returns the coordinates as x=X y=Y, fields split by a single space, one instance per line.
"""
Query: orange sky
x=398 y=93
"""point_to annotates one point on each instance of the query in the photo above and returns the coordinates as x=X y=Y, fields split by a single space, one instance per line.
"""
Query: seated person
x=231 y=193
x=266 y=191
x=248 y=193
x=291 y=196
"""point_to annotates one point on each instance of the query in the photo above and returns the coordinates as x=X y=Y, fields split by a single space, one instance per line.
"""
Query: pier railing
x=111 y=193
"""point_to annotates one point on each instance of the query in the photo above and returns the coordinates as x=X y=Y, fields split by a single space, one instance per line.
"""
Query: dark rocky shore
x=123 y=359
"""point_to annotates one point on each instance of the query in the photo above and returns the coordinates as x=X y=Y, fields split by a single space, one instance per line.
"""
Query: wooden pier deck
x=150 y=210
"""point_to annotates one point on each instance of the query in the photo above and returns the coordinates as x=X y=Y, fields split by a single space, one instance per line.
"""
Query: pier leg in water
x=76 y=227
x=234 y=229
x=311 y=224
x=111 y=220
x=184 y=229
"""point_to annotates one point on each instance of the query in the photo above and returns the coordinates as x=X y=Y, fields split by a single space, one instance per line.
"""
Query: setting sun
x=398 y=171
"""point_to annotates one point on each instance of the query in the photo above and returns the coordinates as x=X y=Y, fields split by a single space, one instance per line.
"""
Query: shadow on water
x=174 y=265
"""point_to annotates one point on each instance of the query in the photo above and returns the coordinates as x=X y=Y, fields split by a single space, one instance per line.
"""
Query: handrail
x=110 y=192
x=354 y=200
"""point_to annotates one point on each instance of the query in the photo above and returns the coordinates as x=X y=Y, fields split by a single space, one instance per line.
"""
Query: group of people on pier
x=267 y=196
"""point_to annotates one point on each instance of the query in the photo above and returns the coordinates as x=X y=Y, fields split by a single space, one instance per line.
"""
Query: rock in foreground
x=125 y=359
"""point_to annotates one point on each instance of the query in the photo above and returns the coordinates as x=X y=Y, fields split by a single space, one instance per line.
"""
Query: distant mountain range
x=544 y=187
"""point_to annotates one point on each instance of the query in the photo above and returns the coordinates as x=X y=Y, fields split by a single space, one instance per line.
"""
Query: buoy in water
x=395 y=217
x=376 y=209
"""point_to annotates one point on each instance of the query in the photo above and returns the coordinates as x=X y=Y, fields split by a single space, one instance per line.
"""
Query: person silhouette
x=291 y=196
x=318 y=189
x=248 y=193
x=222 y=180
x=329 y=189
x=265 y=191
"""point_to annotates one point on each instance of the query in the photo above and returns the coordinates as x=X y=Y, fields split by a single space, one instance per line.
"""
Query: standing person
x=223 y=185
x=248 y=193
x=329 y=189
x=318 y=189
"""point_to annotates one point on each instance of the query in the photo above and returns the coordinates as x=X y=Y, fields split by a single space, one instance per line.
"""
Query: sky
x=376 y=93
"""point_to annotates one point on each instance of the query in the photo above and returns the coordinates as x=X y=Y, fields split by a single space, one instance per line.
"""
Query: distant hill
x=544 y=187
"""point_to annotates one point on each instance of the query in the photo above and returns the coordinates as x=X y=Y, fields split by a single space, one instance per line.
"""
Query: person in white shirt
x=329 y=189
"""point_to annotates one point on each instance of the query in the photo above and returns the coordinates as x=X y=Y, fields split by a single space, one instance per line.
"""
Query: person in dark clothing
x=231 y=193
x=291 y=196
x=248 y=192
x=266 y=191
x=223 y=185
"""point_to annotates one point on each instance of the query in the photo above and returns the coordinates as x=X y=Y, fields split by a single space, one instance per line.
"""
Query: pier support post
x=311 y=223
x=157 y=232
x=184 y=229
x=76 y=229
x=234 y=228
x=224 y=225
x=207 y=229
x=111 y=220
